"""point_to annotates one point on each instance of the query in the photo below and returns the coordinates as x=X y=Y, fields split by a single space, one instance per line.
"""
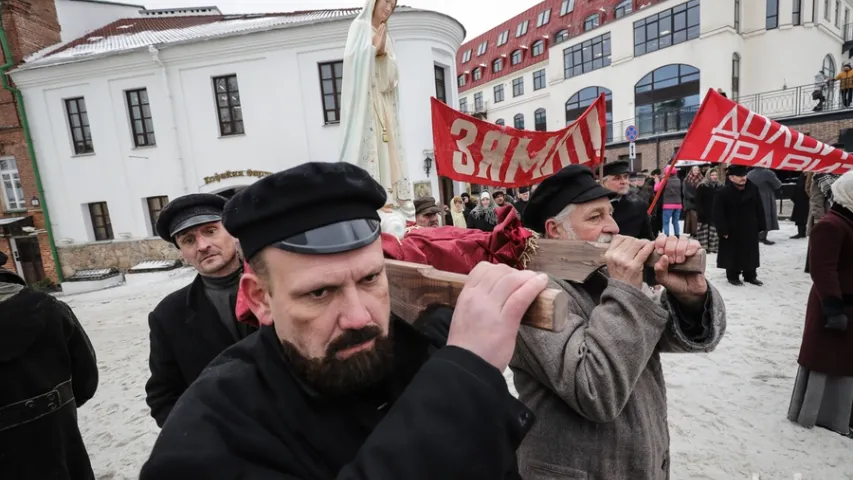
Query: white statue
x=370 y=113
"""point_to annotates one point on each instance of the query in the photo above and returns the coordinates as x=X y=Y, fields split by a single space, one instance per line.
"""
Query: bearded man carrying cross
x=597 y=387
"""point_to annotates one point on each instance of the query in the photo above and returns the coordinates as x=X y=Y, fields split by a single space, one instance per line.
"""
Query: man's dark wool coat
x=47 y=370
x=445 y=416
x=740 y=215
x=631 y=214
x=831 y=260
x=186 y=335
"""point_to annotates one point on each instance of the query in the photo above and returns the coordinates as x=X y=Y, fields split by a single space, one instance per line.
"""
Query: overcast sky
x=476 y=15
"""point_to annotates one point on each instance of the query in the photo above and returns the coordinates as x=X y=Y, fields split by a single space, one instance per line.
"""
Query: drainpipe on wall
x=22 y=114
x=155 y=55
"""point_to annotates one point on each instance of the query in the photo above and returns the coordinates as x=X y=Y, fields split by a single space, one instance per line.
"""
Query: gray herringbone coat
x=597 y=387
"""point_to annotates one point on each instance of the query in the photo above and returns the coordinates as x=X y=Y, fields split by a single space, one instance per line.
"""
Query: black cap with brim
x=193 y=221
x=335 y=238
x=572 y=185
x=737 y=170
x=187 y=212
x=619 y=167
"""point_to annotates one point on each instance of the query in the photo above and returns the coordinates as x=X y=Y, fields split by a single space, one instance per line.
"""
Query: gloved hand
x=837 y=322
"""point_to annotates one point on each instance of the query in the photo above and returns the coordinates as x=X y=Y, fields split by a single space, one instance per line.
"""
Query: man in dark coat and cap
x=47 y=371
x=334 y=385
x=523 y=198
x=193 y=325
x=738 y=214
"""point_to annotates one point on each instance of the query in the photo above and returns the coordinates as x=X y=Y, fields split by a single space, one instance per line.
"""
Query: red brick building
x=29 y=26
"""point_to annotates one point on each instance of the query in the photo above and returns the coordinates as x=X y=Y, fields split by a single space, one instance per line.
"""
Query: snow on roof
x=130 y=34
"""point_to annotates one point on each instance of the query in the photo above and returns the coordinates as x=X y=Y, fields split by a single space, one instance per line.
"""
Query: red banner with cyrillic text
x=726 y=132
x=475 y=151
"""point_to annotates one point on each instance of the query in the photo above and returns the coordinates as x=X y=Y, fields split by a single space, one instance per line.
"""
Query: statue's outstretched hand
x=379 y=39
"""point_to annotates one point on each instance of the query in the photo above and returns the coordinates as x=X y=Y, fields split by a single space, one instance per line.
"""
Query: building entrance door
x=28 y=259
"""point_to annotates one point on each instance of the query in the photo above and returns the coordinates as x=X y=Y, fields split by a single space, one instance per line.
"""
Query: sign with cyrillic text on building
x=726 y=132
x=475 y=151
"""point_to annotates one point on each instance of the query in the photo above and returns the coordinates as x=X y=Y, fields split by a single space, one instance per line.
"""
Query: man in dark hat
x=426 y=212
x=499 y=196
x=48 y=370
x=193 y=325
x=523 y=197
x=601 y=376
x=738 y=214
x=334 y=385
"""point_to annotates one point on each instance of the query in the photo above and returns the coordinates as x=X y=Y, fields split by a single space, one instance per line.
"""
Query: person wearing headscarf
x=688 y=191
x=706 y=191
x=823 y=390
x=457 y=212
x=484 y=216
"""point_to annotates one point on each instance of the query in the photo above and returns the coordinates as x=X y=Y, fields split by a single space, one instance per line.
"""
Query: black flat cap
x=426 y=206
x=573 y=184
x=523 y=189
x=314 y=208
x=189 y=211
x=619 y=167
x=737 y=170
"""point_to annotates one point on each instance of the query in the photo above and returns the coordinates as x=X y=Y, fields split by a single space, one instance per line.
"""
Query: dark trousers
x=762 y=236
x=846 y=96
x=734 y=275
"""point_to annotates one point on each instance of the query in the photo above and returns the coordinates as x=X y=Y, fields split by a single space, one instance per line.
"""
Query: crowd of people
x=330 y=384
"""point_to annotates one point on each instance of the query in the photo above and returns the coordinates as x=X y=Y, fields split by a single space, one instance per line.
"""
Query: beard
x=341 y=376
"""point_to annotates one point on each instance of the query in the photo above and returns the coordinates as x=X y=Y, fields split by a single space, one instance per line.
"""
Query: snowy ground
x=726 y=409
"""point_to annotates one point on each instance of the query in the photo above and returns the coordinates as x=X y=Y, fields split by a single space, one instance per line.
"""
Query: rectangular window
x=522 y=28
x=331 y=80
x=141 y=123
x=466 y=56
x=478 y=102
x=539 y=79
x=772 y=18
x=669 y=27
x=101 y=225
x=796 y=10
x=518 y=86
x=440 y=87
x=463 y=105
x=461 y=80
x=737 y=16
x=478 y=74
x=838 y=13
x=567 y=7
x=13 y=193
x=498 y=65
x=499 y=93
x=826 y=9
x=482 y=48
x=228 y=106
x=623 y=9
x=155 y=206
x=587 y=56
x=78 y=121
x=544 y=18
x=503 y=37
x=846 y=24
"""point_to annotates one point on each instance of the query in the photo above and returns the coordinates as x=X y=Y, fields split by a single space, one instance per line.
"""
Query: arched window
x=460 y=80
x=500 y=122
x=624 y=8
x=538 y=48
x=540 y=120
x=478 y=74
x=667 y=99
x=735 y=77
x=829 y=66
x=561 y=36
x=518 y=121
x=515 y=59
x=579 y=102
x=498 y=65
x=591 y=22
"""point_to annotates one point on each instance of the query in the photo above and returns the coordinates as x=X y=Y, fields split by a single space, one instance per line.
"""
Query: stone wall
x=119 y=254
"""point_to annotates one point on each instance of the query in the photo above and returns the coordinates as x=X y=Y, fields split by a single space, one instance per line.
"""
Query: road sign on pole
x=631 y=133
x=632 y=153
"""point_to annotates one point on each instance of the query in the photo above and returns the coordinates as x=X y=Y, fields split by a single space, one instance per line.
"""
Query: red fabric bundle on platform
x=450 y=249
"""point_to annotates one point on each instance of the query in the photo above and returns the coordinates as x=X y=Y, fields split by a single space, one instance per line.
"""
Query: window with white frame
x=826 y=9
x=538 y=48
x=503 y=37
x=838 y=13
x=567 y=7
x=522 y=28
x=482 y=48
x=13 y=193
x=624 y=8
x=592 y=21
x=466 y=56
x=544 y=18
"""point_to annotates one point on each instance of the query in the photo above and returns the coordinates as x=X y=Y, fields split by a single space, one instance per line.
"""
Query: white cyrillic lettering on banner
x=463 y=161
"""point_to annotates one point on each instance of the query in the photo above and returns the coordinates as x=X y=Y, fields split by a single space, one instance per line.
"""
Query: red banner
x=475 y=151
x=725 y=132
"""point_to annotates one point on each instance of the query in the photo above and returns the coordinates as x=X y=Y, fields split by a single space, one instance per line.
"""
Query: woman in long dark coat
x=738 y=215
x=823 y=391
x=706 y=192
x=800 y=214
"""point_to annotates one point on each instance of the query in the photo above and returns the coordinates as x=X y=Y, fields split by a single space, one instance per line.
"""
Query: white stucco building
x=150 y=108
x=655 y=59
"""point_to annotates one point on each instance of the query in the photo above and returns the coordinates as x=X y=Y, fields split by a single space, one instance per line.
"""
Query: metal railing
x=789 y=102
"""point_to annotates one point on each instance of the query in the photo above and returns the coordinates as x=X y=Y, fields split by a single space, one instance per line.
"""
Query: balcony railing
x=790 y=102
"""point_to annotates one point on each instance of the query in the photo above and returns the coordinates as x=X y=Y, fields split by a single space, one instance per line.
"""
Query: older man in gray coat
x=768 y=184
x=597 y=387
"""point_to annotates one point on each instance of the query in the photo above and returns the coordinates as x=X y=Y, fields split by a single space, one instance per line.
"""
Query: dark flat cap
x=523 y=189
x=426 y=206
x=189 y=211
x=314 y=208
x=619 y=167
x=573 y=184
x=737 y=170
